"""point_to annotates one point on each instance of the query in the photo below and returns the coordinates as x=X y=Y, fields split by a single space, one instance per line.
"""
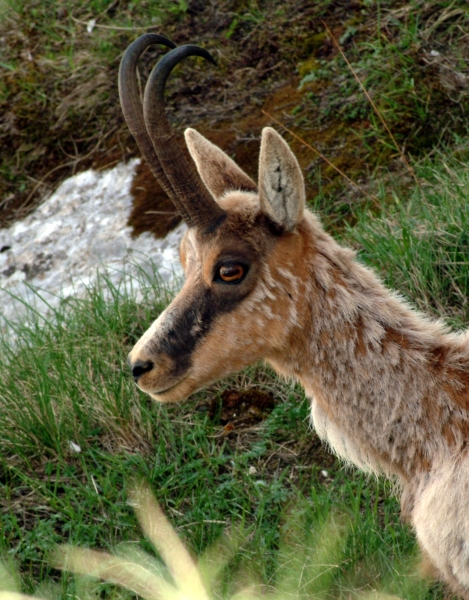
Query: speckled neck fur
x=372 y=364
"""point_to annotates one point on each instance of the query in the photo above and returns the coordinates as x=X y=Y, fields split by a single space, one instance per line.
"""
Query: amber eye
x=231 y=273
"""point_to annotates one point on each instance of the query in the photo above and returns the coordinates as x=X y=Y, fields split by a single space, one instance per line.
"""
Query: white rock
x=79 y=231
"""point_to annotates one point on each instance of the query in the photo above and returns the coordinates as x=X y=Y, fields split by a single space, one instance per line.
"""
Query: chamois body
x=389 y=390
x=264 y=281
x=389 y=387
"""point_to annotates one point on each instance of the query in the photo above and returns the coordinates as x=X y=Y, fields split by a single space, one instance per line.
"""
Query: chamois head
x=241 y=253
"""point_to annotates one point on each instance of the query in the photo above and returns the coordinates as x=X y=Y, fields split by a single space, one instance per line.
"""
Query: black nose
x=139 y=367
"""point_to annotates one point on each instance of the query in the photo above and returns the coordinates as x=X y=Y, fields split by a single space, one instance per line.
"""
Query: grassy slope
x=67 y=382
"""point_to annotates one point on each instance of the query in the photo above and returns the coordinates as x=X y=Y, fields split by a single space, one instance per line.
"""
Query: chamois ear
x=218 y=171
x=281 y=183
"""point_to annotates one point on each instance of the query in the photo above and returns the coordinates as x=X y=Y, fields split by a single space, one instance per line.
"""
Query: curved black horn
x=133 y=112
x=204 y=212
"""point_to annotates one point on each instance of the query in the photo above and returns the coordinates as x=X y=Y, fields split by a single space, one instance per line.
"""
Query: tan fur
x=389 y=387
x=220 y=172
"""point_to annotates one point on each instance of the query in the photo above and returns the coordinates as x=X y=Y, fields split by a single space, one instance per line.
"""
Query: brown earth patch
x=152 y=209
x=241 y=408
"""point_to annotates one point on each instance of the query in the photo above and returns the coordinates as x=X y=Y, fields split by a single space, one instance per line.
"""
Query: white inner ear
x=281 y=183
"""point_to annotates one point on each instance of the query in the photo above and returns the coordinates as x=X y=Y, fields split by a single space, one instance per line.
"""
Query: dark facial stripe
x=197 y=314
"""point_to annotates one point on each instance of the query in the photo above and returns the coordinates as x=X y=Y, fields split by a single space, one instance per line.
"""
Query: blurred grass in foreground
x=304 y=571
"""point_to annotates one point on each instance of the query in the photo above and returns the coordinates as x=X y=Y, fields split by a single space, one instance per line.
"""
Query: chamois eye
x=232 y=273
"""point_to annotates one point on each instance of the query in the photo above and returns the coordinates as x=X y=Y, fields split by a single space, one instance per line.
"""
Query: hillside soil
x=60 y=113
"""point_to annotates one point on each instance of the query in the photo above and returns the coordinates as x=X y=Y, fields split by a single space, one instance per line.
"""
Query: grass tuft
x=419 y=241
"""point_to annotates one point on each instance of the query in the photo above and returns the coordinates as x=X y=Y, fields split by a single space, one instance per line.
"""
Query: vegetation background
x=240 y=453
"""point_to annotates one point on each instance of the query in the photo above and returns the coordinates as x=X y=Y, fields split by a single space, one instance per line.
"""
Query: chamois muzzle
x=176 y=174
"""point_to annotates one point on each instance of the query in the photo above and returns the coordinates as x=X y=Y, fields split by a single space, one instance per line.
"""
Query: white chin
x=171 y=394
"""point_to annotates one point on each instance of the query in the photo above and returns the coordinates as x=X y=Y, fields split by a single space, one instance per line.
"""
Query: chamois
x=389 y=387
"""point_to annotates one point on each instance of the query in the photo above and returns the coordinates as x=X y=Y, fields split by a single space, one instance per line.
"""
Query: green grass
x=419 y=240
x=413 y=62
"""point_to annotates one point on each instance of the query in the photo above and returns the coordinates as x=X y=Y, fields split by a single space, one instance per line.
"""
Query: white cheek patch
x=263 y=301
x=295 y=288
x=156 y=330
x=257 y=302
x=293 y=279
